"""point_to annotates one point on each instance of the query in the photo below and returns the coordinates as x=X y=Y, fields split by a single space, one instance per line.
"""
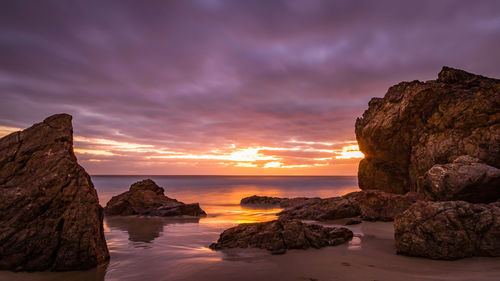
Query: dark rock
x=266 y=201
x=371 y=205
x=260 y=200
x=448 y=230
x=325 y=209
x=279 y=235
x=376 y=205
x=353 y=221
x=50 y=218
x=465 y=179
x=297 y=201
x=418 y=125
x=147 y=199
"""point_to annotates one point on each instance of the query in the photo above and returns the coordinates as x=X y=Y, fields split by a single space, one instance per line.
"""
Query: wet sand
x=161 y=249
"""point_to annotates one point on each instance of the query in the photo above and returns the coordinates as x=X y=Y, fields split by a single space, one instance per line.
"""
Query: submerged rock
x=50 y=218
x=448 y=230
x=465 y=179
x=146 y=198
x=419 y=125
x=370 y=205
x=279 y=235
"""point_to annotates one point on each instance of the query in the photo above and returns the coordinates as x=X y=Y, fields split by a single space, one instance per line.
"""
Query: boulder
x=372 y=205
x=448 y=230
x=465 y=179
x=376 y=205
x=418 y=125
x=266 y=201
x=50 y=218
x=146 y=198
x=279 y=235
x=325 y=209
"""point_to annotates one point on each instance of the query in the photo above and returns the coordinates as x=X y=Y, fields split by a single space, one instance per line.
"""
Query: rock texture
x=371 y=205
x=146 y=198
x=465 y=179
x=50 y=218
x=266 y=201
x=279 y=235
x=449 y=230
x=421 y=124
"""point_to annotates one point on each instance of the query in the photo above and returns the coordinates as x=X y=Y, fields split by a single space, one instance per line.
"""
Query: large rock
x=325 y=209
x=50 y=218
x=465 y=179
x=146 y=198
x=448 y=230
x=418 y=125
x=279 y=235
x=372 y=205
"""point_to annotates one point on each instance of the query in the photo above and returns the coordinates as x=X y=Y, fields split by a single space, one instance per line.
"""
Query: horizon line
x=209 y=175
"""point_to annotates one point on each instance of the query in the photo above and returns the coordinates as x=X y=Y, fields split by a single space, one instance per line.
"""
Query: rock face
x=279 y=235
x=50 y=218
x=449 y=230
x=419 y=125
x=465 y=179
x=146 y=198
x=371 y=205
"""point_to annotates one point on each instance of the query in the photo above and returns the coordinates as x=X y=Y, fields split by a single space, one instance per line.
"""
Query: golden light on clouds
x=349 y=152
x=290 y=156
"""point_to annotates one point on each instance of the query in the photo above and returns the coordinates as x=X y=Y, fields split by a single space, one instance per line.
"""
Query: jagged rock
x=279 y=235
x=448 y=230
x=376 y=205
x=267 y=201
x=418 y=125
x=50 y=218
x=464 y=179
x=371 y=205
x=146 y=198
x=325 y=209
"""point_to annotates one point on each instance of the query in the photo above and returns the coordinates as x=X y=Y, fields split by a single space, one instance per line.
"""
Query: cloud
x=195 y=76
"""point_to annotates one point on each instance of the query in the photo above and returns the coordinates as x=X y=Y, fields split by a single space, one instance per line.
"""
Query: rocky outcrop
x=465 y=179
x=279 y=235
x=146 y=198
x=375 y=205
x=371 y=205
x=448 y=230
x=325 y=209
x=50 y=218
x=266 y=201
x=418 y=125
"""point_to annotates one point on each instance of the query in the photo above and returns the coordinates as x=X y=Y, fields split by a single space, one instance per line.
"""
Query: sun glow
x=349 y=152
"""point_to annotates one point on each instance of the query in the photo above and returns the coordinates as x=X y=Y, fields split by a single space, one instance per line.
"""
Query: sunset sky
x=227 y=87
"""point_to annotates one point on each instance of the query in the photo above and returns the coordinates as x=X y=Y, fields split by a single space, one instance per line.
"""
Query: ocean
x=161 y=249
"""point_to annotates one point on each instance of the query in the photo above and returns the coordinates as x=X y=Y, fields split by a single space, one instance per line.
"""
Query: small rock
x=352 y=221
x=146 y=198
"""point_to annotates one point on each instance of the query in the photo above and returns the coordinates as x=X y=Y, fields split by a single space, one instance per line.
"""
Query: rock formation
x=279 y=235
x=418 y=125
x=448 y=230
x=147 y=199
x=371 y=205
x=266 y=201
x=50 y=218
x=465 y=179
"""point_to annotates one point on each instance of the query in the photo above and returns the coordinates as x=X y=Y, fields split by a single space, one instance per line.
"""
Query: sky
x=227 y=87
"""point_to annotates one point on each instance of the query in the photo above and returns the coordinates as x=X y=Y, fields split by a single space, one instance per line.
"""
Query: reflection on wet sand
x=143 y=229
